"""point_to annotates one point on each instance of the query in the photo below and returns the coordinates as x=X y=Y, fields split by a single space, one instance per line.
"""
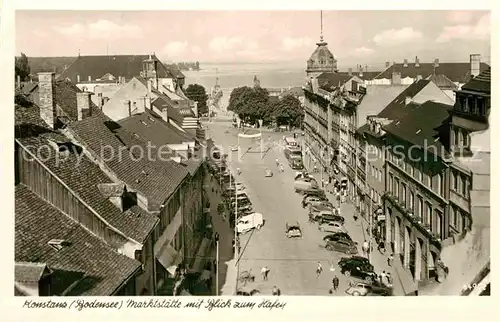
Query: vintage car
x=332 y=227
x=323 y=216
x=341 y=245
x=353 y=260
x=368 y=289
x=337 y=236
x=233 y=148
x=249 y=222
x=269 y=173
x=293 y=230
x=317 y=201
x=363 y=271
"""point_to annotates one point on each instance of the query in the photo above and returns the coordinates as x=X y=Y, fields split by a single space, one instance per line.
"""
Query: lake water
x=236 y=75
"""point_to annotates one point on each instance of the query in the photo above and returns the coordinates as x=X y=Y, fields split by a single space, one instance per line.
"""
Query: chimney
x=18 y=85
x=396 y=78
x=436 y=62
x=114 y=192
x=417 y=62
x=475 y=62
x=149 y=102
x=150 y=85
x=99 y=101
x=349 y=72
x=405 y=63
x=407 y=100
x=419 y=77
x=387 y=64
x=77 y=79
x=82 y=103
x=47 y=93
x=128 y=107
x=90 y=78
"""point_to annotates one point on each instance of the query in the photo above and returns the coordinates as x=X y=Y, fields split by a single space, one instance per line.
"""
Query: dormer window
x=466 y=105
x=471 y=102
x=480 y=106
x=58 y=244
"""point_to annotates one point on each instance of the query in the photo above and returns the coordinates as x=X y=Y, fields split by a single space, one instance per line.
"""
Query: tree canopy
x=22 y=67
x=198 y=94
x=254 y=103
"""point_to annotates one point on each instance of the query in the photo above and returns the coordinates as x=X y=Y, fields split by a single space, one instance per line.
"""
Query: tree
x=22 y=67
x=249 y=103
x=197 y=65
x=288 y=111
x=198 y=94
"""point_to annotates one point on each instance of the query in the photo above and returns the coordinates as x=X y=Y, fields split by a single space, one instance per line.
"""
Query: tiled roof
x=127 y=66
x=29 y=272
x=457 y=72
x=175 y=71
x=422 y=125
x=442 y=81
x=150 y=127
x=96 y=268
x=329 y=81
x=364 y=75
x=78 y=172
x=396 y=109
x=480 y=83
x=376 y=98
x=156 y=179
x=295 y=91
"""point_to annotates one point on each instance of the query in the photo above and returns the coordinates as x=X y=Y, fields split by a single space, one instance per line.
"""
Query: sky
x=354 y=37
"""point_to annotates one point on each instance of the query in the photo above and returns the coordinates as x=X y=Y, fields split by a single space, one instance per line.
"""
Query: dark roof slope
x=397 y=109
x=422 y=126
x=85 y=260
x=156 y=179
x=364 y=75
x=329 y=81
x=79 y=173
x=53 y=64
x=175 y=71
x=127 y=66
x=442 y=81
x=457 y=72
x=480 y=83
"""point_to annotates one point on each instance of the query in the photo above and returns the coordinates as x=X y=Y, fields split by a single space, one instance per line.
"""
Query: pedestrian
x=335 y=283
x=263 y=271
x=365 y=248
x=390 y=259
x=389 y=279
x=319 y=270
x=381 y=247
x=276 y=291
x=238 y=171
x=382 y=276
x=281 y=168
x=277 y=162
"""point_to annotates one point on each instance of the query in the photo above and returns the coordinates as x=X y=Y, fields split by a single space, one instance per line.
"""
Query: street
x=292 y=262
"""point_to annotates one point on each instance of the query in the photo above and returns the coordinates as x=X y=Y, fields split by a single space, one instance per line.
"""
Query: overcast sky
x=366 y=37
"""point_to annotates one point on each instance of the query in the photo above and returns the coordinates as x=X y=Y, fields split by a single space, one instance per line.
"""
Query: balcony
x=414 y=219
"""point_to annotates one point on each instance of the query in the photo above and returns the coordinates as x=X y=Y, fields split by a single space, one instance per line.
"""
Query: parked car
x=332 y=227
x=316 y=192
x=317 y=201
x=323 y=216
x=364 y=271
x=249 y=222
x=341 y=245
x=337 y=236
x=311 y=200
x=353 y=260
x=296 y=164
x=293 y=230
x=368 y=289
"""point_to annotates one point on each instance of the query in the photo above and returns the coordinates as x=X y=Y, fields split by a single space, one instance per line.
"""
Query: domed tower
x=321 y=60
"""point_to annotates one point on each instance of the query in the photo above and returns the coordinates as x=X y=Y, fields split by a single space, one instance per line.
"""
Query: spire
x=321 y=25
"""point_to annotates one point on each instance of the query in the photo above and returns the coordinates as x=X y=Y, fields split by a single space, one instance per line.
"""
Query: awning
x=168 y=234
x=201 y=256
x=167 y=257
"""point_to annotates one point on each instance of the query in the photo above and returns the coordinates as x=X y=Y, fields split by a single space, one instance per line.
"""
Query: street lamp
x=217 y=264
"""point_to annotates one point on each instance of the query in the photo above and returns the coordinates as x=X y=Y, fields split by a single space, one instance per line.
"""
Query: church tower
x=321 y=60
x=256 y=82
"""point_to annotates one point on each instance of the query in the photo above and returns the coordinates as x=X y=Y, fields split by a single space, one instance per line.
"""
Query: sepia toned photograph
x=252 y=153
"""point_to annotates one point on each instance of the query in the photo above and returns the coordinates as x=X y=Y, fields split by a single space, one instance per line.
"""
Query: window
x=480 y=106
x=467 y=105
x=439 y=223
x=380 y=174
x=473 y=105
x=428 y=214
x=420 y=206
x=465 y=139
x=396 y=188
x=419 y=173
x=454 y=178
x=411 y=170
x=391 y=178
x=470 y=104
x=454 y=217
x=464 y=186
x=457 y=137
x=440 y=183
x=403 y=193
x=411 y=200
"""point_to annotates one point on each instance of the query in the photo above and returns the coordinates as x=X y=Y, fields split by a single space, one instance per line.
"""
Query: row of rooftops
x=99 y=269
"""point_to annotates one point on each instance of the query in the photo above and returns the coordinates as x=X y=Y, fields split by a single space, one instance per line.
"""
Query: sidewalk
x=227 y=270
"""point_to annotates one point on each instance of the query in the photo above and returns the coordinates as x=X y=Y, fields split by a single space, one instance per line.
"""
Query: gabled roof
x=397 y=109
x=480 y=83
x=156 y=179
x=457 y=72
x=94 y=267
x=442 y=82
x=126 y=66
x=422 y=125
x=376 y=98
